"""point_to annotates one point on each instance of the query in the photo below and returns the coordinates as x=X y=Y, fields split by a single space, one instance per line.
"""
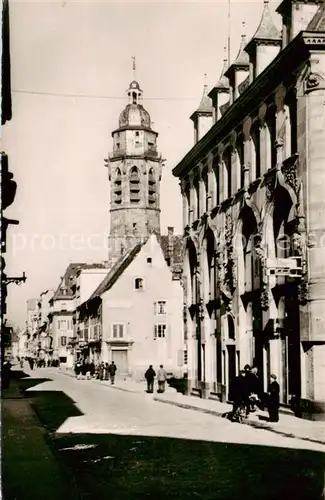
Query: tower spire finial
x=205 y=81
x=134 y=67
x=225 y=59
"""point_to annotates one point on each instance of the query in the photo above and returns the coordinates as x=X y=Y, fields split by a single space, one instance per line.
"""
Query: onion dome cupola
x=238 y=70
x=265 y=44
x=219 y=94
x=203 y=116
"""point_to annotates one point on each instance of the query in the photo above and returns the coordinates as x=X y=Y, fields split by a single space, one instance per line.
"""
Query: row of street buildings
x=245 y=284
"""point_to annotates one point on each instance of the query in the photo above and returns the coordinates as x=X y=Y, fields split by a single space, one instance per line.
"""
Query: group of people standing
x=103 y=371
x=247 y=390
x=161 y=379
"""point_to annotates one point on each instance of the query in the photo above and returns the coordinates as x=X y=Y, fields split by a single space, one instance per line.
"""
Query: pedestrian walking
x=6 y=373
x=31 y=363
x=101 y=369
x=239 y=394
x=77 y=369
x=161 y=378
x=21 y=363
x=150 y=377
x=112 y=370
x=254 y=386
x=106 y=371
x=273 y=402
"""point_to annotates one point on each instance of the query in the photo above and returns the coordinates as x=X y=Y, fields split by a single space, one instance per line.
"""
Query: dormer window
x=139 y=283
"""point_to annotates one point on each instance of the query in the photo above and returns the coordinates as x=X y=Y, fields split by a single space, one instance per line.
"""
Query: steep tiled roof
x=223 y=82
x=318 y=21
x=242 y=58
x=176 y=245
x=117 y=270
x=69 y=278
x=205 y=106
x=267 y=29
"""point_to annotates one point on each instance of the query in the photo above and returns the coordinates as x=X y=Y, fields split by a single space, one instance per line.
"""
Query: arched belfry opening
x=117 y=190
x=134 y=184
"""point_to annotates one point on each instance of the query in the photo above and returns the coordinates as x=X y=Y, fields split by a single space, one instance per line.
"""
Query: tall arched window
x=152 y=187
x=271 y=125
x=227 y=173
x=196 y=186
x=212 y=264
x=240 y=161
x=134 y=182
x=282 y=229
x=117 y=190
x=205 y=195
x=216 y=173
x=249 y=229
x=255 y=151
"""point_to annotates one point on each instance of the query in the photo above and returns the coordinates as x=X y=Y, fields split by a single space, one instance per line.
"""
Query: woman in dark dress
x=273 y=399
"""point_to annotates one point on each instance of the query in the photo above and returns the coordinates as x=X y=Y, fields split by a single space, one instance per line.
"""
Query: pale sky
x=57 y=144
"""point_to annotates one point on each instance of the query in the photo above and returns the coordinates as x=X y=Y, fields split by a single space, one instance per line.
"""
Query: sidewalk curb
x=257 y=425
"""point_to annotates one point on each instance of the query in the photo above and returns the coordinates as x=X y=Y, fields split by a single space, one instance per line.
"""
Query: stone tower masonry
x=134 y=171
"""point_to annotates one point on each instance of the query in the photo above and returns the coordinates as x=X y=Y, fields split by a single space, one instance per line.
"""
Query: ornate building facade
x=254 y=215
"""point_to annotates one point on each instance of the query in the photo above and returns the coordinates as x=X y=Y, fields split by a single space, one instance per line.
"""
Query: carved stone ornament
x=313 y=81
x=265 y=300
x=290 y=176
x=270 y=186
x=303 y=292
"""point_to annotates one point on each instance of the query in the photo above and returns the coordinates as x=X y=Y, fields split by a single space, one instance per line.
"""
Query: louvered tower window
x=151 y=187
x=134 y=186
x=117 y=190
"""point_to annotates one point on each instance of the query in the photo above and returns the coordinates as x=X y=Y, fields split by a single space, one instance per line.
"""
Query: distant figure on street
x=31 y=363
x=254 y=386
x=77 y=369
x=161 y=377
x=112 y=370
x=21 y=363
x=273 y=403
x=101 y=369
x=150 y=377
x=6 y=368
x=106 y=371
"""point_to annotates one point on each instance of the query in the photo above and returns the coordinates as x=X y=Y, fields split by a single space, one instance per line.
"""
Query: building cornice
x=134 y=127
x=278 y=70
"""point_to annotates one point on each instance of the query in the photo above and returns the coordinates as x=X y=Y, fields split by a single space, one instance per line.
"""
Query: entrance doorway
x=120 y=358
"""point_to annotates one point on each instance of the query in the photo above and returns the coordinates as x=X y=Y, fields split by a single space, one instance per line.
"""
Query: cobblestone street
x=122 y=445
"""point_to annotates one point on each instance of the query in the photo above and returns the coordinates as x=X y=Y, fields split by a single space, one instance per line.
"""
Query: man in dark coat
x=273 y=403
x=150 y=377
x=238 y=391
x=254 y=385
x=112 y=370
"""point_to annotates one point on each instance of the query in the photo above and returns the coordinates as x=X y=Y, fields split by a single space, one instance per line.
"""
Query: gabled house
x=134 y=316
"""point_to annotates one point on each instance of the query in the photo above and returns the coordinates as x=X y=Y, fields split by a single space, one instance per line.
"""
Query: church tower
x=134 y=171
